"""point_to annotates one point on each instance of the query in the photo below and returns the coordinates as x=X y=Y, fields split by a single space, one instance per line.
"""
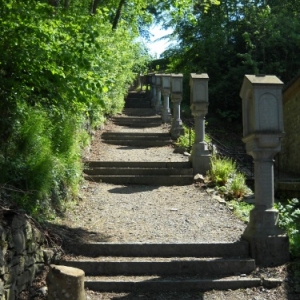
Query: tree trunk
x=94 y=5
x=118 y=14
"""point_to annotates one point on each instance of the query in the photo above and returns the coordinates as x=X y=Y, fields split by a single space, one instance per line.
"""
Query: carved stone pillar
x=262 y=130
x=200 y=156
x=153 y=89
x=166 y=85
x=176 y=98
x=158 y=103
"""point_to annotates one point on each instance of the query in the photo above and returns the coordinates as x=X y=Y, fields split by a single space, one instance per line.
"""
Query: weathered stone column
x=166 y=89
x=262 y=131
x=200 y=156
x=153 y=88
x=65 y=283
x=176 y=98
x=158 y=93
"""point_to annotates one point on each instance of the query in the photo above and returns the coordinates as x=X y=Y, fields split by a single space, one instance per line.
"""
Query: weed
x=222 y=169
x=289 y=219
x=241 y=209
x=238 y=187
x=188 y=138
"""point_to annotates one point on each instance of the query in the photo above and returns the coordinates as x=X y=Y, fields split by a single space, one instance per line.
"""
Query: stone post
x=153 y=88
x=158 y=93
x=65 y=283
x=166 y=89
x=176 y=98
x=262 y=132
x=200 y=156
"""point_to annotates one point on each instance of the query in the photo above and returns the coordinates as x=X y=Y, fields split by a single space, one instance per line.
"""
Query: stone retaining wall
x=290 y=155
x=21 y=254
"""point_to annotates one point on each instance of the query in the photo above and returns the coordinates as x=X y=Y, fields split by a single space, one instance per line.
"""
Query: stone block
x=19 y=241
x=269 y=251
x=65 y=283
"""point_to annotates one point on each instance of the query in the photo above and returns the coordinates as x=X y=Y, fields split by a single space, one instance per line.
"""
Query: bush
x=188 y=138
x=222 y=169
x=289 y=220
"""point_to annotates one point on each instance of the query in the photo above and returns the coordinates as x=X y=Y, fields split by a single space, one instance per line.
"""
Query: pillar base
x=158 y=107
x=65 y=283
x=269 y=245
x=166 y=116
x=269 y=251
x=177 y=130
x=201 y=163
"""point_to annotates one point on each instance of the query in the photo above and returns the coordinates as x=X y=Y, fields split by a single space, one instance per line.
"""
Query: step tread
x=139 y=249
x=136 y=164
x=128 y=278
x=171 y=284
x=143 y=259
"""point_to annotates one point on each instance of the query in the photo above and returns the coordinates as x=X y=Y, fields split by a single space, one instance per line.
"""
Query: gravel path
x=149 y=213
x=116 y=213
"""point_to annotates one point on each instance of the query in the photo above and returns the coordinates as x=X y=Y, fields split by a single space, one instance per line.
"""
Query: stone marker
x=65 y=283
x=176 y=97
x=166 y=89
x=153 y=89
x=200 y=156
x=158 y=93
x=262 y=130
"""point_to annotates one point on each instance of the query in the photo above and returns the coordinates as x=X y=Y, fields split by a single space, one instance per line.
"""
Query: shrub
x=188 y=138
x=241 y=209
x=237 y=185
x=222 y=169
x=289 y=219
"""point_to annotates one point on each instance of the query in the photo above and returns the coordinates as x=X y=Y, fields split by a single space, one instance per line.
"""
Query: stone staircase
x=151 y=267
x=137 y=117
x=146 y=173
x=112 y=267
x=137 y=100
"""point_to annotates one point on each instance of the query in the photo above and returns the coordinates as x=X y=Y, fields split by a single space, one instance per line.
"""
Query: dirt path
x=118 y=213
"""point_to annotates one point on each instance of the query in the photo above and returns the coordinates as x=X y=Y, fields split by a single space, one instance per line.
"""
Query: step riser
x=137 y=143
x=137 y=138
x=139 y=171
x=207 y=268
x=137 y=164
x=172 y=286
x=135 y=134
x=137 y=125
x=239 y=249
x=153 y=119
x=143 y=180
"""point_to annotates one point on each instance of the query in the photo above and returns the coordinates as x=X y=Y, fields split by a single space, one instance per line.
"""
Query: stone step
x=138 y=164
x=142 y=119
x=139 y=112
x=138 y=143
x=138 y=171
x=156 y=180
x=106 y=266
x=136 y=136
x=137 y=103
x=156 y=284
x=136 y=124
x=221 y=249
x=142 y=173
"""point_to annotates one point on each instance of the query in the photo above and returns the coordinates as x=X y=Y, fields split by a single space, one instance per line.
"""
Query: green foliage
x=230 y=182
x=222 y=169
x=237 y=186
x=241 y=209
x=233 y=39
x=289 y=219
x=188 y=138
x=62 y=71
